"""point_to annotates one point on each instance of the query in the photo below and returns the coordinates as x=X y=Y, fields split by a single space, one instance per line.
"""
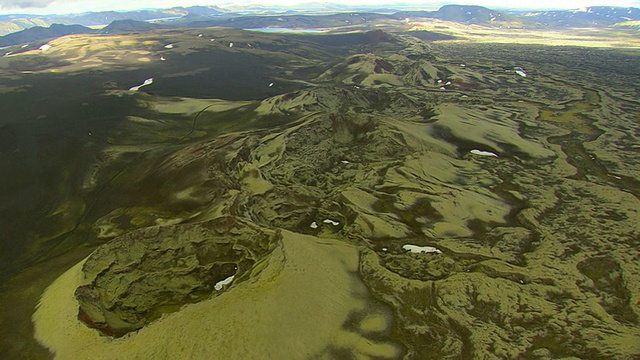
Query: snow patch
x=168 y=46
x=45 y=47
x=314 y=225
x=149 y=81
x=329 y=221
x=220 y=284
x=482 y=153
x=520 y=71
x=421 y=249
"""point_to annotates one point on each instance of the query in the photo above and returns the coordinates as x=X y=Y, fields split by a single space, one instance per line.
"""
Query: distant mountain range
x=14 y=23
x=40 y=33
x=459 y=13
x=35 y=28
x=594 y=16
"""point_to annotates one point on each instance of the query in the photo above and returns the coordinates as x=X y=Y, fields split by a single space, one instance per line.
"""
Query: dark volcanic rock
x=137 y=277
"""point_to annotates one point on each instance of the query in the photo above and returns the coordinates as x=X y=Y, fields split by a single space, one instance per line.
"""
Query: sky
x=78 y=6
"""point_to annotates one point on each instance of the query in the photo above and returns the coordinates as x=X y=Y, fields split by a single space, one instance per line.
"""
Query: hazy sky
x=76 y=6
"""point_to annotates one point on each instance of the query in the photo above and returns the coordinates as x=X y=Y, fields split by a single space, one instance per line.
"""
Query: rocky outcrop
x=137 y=277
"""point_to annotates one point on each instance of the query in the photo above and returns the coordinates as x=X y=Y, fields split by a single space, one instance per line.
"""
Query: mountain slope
x=41 y=33
x=465 y=14
x=14 y=23
x=595 y=16
x=469 y=14
x=292 y=21
x=128 y=26
x=11 y=24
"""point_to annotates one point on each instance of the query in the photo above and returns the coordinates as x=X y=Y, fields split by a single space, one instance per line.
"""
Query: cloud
x=23 y=4
x=80 y=6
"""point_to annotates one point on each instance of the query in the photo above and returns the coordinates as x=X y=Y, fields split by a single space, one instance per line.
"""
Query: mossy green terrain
x=526 y=185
